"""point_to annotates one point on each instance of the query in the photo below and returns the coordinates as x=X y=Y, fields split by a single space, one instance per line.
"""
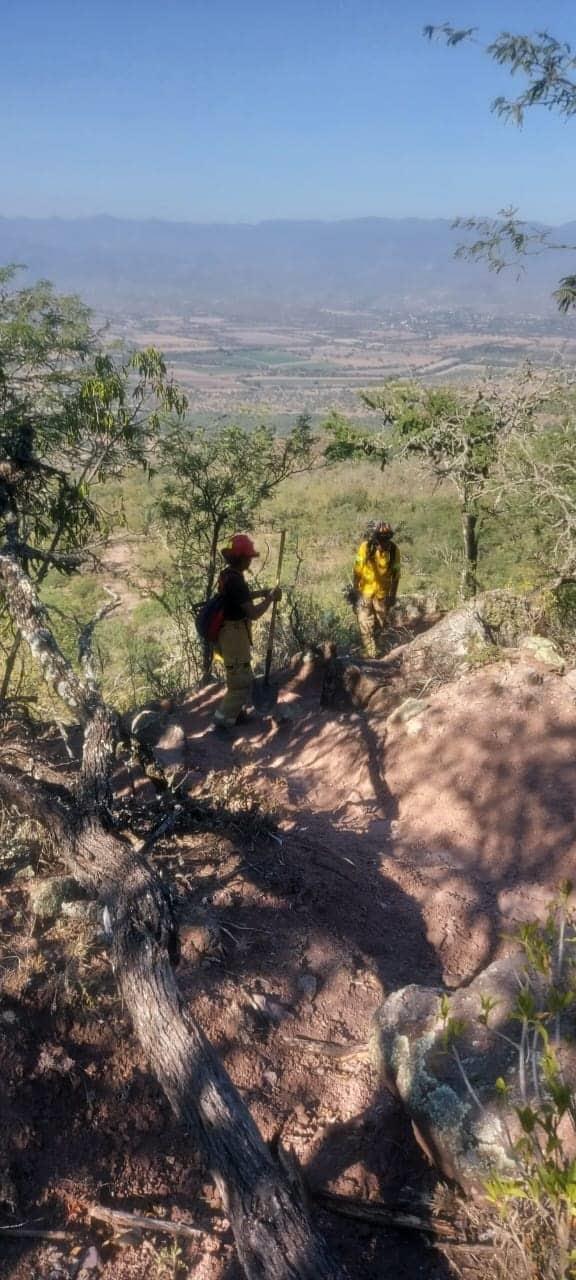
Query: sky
x=244 y=110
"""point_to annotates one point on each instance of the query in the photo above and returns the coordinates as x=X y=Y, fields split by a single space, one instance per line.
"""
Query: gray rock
x=544 y=651
x=91 y=1260
x=170 y=748
x=47 y=896
x=466 y=1141
x=87 y=912
x=308 y=985
x=448 y=647
x=407 y=710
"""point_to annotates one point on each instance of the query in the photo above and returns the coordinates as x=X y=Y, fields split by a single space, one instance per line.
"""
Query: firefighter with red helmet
x=234 y=643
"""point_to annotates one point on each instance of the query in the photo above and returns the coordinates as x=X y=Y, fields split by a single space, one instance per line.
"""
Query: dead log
x=274 y=1237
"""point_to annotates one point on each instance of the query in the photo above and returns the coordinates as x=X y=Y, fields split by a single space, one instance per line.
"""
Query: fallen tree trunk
x=274 y=1237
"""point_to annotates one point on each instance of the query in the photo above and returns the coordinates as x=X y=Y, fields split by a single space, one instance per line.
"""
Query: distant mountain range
x=271 y=269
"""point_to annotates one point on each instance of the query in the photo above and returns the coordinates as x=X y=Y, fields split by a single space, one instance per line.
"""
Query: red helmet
x=240 y=545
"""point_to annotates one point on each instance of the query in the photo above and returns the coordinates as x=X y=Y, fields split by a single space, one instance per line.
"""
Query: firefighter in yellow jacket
x=376 y=577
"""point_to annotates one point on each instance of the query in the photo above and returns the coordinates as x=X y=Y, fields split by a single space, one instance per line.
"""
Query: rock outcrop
x=448 y=1085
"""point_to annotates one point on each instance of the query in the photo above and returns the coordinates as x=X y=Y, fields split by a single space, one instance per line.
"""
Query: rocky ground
x=377 y=854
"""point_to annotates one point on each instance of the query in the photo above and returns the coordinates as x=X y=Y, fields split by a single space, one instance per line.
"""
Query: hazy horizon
x=105 y=216
x=272 y=267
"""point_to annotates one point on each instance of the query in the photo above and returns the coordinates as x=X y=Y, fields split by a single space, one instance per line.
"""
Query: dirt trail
x=118 y=565
x=469 y=810
x=399 y=855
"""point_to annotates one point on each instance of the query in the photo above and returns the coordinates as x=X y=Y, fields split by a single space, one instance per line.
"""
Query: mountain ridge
x=275 y=265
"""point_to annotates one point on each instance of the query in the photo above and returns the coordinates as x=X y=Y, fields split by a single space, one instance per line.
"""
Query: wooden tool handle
x=272 y=628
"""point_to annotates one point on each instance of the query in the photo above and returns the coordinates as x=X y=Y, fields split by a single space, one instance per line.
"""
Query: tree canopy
x=548 y=68
x=72 y=414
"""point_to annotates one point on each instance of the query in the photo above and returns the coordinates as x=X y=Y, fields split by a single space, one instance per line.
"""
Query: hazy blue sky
x=225 y=110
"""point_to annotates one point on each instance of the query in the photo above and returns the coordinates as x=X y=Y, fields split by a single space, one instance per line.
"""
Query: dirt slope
x=400 y=855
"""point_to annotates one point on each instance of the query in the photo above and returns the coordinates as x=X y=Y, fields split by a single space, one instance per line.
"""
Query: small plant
x=306 y=624
x=534 y=1227
x=483 y=655
x=168 y=1261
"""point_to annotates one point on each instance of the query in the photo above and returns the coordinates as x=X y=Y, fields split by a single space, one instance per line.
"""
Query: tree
x=72 y=414
x=69 y=415
x=539 y=477
x=458 y=433
x=348 y=442
x=215 y=483
x=264 y=1202
x=549 y=68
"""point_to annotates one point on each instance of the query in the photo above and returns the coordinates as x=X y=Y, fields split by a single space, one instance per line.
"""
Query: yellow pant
x=234 y=646
x=372 y=613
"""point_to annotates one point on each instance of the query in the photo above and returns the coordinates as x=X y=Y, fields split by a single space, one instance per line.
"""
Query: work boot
x=223 y=726
x=246 y=716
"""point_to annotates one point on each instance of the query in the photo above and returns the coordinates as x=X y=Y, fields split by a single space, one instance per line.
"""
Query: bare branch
x=68 y=561
x=86 y=637
x=29 y=616
x=121 y=1220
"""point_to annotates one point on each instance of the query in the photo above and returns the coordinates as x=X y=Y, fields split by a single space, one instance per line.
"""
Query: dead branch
x=67 y=561
x=122 y=1220
x=163 y=829
x=30 y=1233
x=274 y=1238
x=381 y=1215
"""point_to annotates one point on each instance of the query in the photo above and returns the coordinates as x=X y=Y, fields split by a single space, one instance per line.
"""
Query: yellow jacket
x=376 y=575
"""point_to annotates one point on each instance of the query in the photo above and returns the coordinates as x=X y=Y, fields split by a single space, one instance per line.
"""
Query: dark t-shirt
x=235 y=593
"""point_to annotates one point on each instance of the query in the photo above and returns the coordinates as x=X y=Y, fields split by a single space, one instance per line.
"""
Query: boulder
x=544 y=651
x=48 y=896
x=170 y=747
x=445 y=649
x=451 y=1097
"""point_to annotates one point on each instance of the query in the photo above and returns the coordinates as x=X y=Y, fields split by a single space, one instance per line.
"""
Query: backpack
x=210 y=618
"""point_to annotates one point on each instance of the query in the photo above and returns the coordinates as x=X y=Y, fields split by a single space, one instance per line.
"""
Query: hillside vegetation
x=378 y=820
x=325 y=514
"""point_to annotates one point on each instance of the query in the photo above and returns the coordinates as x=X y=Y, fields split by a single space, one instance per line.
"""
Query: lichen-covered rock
x=47 y=896
x=84 y=912
x=447 y=648
x=544 y=651
x=508 y=616
x=459 y=1121
x=408 y=710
